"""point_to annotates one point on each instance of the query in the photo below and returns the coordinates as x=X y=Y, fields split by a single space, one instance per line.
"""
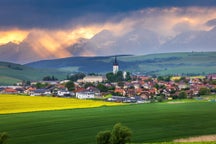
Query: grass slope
x=162 y=64
x=11 y=73
x=149 y=123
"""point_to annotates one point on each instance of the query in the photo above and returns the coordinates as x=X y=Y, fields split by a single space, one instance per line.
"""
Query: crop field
x=17 y=104
x=150 y=123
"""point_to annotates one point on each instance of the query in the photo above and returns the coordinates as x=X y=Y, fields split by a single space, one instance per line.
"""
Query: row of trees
x=50 y=78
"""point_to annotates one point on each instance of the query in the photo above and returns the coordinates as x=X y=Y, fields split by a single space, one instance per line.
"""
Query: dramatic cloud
x=57 y=13
x=51 y=27
x=165 y=22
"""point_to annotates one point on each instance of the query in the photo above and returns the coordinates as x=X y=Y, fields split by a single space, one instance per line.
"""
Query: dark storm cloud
x=57 y=13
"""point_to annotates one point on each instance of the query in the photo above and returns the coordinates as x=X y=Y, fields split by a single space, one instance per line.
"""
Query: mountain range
x=105 y=43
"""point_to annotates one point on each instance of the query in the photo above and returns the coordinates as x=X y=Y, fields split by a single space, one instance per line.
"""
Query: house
x=63 y=92
x=20 y=90
x=10 y=91
x=85 y=94
x=40 y=92
x=95 y=90
x=120 y=91
x=1 y=89
x=29 y=90
x=130 y=92
x=182 y=85
x=211 y=76
x=145 y=95
x=64 y=81
x=93 y=79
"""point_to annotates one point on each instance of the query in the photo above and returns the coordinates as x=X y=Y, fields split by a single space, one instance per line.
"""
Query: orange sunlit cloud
x=15 y=36
x=55 y=42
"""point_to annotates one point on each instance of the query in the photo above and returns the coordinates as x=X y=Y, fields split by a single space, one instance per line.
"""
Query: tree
x=103 y=137
x=120 y=134
x=50 y=78
x=41 y=85
x=160 y=78
x=167 y=78
x=88 y=84
x=182 y=95
x=3 y=137
x=160 y=98
x=102 y=87
x=110 y=77
x=76 y=76
x=164 y=78
x=204 y=91
x=70 y=86
x=115 y=77
x=121 y=84
x=119 y=76
x=156 y=86
x=212 y=82
x=128 y=77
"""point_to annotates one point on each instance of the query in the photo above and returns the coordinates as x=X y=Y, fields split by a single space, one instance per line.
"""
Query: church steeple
x=115 y=66
x=115 y=62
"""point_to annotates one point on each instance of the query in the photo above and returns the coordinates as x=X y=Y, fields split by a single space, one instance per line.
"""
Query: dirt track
x=206 y=138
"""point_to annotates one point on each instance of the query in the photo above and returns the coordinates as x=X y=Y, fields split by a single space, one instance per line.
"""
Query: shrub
x=3 y=137
x=182 y=95
x=119 y=135
x=103 y=137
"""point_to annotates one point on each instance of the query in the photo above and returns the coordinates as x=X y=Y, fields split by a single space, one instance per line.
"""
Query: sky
x=55 y=25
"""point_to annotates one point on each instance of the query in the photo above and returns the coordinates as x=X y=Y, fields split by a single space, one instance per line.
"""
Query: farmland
x=17 y=104
x=159 y=122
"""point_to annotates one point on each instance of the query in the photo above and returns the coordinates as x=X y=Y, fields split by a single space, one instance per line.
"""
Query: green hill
x=155 y=64
x=159 y=64
x=11 y=73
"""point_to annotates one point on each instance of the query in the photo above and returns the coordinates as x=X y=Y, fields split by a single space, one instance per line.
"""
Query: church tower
x=115 y=66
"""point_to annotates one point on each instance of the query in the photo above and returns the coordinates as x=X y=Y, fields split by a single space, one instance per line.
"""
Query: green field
x=160 y=122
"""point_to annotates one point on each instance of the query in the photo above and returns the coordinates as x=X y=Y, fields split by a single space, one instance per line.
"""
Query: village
x=118 y=86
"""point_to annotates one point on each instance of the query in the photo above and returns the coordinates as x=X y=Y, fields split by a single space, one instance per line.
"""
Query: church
x=115 y=66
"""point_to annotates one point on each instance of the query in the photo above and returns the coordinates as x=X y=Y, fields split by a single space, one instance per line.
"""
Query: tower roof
x=115 y=61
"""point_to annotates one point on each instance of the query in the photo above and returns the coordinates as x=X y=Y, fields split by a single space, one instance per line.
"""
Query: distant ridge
x=163 y=63
x=186 y=63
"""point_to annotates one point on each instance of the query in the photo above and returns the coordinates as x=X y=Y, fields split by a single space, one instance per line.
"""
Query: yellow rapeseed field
x=19 y=104
x=178 y=77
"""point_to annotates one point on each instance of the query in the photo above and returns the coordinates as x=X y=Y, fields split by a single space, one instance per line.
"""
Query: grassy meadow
x=150 y=123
